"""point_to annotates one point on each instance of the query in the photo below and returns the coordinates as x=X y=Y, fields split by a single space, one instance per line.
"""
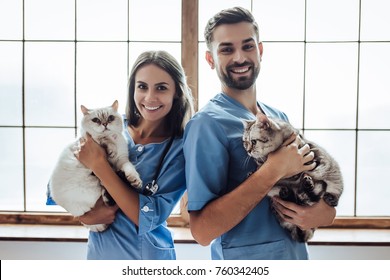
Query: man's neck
x=246 y=97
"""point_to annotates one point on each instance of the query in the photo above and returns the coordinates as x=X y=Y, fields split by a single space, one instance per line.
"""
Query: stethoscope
x=152 y=187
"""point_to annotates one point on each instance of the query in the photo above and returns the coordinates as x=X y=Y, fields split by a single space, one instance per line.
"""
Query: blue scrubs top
x=152 y=239
x=216 y=163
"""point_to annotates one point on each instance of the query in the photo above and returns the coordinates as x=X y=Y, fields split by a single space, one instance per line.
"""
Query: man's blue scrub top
x=216 y=163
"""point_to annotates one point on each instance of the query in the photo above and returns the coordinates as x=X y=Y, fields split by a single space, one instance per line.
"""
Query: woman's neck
x=146 y=132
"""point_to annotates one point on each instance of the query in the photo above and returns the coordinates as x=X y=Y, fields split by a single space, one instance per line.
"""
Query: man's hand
x=305 y=217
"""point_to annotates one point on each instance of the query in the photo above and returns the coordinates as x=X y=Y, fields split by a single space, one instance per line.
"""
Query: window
x=325 y=67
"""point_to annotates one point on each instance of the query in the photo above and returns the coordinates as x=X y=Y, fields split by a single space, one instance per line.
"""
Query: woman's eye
x=160 y=88
x=142 y=87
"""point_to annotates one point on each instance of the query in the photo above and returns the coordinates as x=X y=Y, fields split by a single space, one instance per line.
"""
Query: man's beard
x=241 y=83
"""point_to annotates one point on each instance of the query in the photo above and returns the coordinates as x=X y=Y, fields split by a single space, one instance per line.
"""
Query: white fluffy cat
x=75 y=187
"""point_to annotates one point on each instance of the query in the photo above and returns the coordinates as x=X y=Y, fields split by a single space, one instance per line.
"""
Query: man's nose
x=239 y=56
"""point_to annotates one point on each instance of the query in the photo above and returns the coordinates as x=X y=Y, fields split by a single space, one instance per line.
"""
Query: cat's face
x=261 y=136
x=102 y=121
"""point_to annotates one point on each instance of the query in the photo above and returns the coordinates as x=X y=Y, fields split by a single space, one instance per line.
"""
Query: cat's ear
x=263 y=120
x=84 y=110
x=247 y=123
x=115 y=105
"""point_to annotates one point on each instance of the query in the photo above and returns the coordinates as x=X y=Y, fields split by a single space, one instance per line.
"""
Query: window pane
x=47 y=19
x=341 y=146
x=209 y=84
x=374 y=101
x=102 y=20
x=43 y=147
x=373 y=170
x=281 y=80
x=375 y=20
x=11 y=20
x=11 y=169
x=49 y=83
x=332 y=20
x=149 y=20
x=208 y=8
x=136 y=49
x=331 y=79
x=280 y=20
x=101 y=74
x=10 y=83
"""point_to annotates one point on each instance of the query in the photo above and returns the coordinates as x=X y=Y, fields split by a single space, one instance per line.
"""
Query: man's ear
x=261 y=50
x=209 y=59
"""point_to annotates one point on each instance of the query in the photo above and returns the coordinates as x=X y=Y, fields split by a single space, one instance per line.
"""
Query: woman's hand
x=305 y=217
x=91 y=154
x=99 y=214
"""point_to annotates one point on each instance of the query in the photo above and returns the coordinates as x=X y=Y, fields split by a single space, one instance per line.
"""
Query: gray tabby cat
x=265 y=135
x=75 y=187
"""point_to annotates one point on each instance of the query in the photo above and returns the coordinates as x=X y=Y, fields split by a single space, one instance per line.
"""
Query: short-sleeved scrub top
x=216 y=163
x=151 y=240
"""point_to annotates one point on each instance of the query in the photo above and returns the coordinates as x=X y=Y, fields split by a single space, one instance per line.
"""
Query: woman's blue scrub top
x=216 y=163
x=152 y=239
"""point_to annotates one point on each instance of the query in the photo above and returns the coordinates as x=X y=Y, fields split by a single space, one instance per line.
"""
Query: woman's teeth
x=152 y=108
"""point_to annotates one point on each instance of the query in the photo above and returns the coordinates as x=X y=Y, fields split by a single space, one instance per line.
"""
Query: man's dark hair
x=228 y=16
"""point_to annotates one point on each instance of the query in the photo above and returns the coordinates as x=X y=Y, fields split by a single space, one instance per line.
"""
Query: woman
x=159 y=106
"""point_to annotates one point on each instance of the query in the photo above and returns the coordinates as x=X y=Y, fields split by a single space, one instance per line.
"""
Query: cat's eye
x=254 y=142
x=111 y=118
x=96 y=120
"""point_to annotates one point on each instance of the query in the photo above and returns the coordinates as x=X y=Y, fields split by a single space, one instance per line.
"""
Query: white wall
x=29 y=250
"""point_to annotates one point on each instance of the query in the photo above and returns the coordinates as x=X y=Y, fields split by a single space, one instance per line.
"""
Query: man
x=227 y=195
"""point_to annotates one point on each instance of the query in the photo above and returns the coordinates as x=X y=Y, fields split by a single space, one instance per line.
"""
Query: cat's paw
x=135 y=181
x=308 y=183
x=97 y=227
x=331 y=199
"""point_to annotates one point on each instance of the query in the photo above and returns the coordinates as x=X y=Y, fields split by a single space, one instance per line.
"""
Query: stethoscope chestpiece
x=150 y=188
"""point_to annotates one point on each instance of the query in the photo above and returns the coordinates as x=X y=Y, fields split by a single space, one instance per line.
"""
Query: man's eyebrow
x=248 y=40
x=226 y=44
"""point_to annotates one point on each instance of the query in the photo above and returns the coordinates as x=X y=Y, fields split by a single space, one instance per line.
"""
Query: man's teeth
x=152 y=108
x=241 y=70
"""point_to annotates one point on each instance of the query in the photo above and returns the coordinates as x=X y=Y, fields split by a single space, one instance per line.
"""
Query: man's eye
x=226 y=50
x=248 y=47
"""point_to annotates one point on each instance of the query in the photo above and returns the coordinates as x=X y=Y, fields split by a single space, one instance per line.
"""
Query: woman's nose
x=150 y=95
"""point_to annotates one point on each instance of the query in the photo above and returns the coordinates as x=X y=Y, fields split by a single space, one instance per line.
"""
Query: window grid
x=356 y=130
